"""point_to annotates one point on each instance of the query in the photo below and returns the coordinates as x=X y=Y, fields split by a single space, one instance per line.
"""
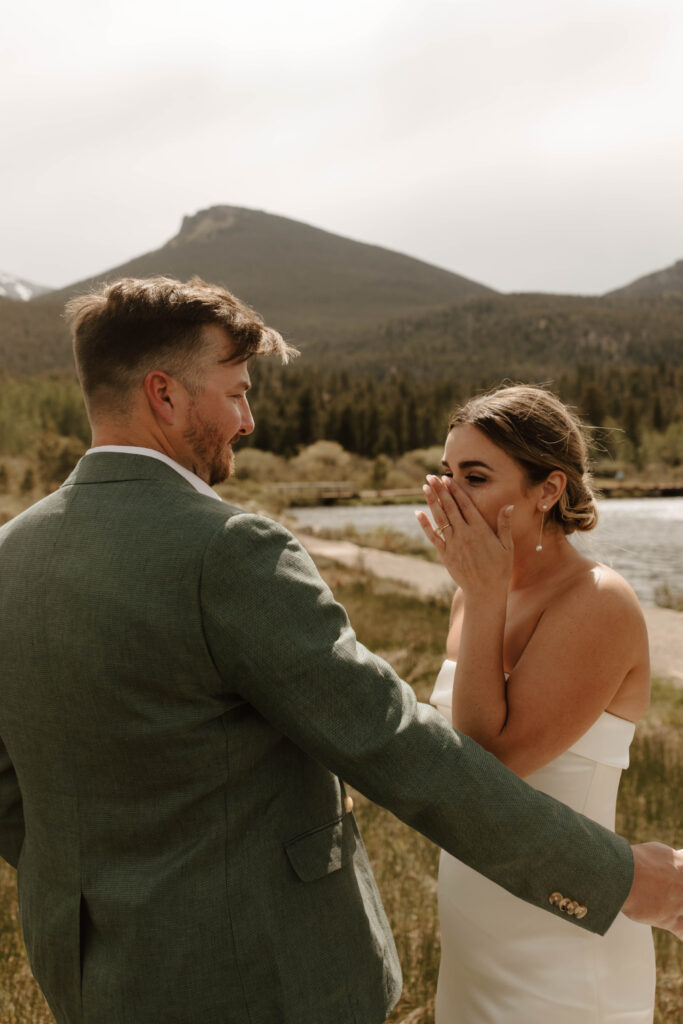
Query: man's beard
x=212 y=457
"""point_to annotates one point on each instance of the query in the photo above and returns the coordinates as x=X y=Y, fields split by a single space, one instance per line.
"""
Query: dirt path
x=665 y=627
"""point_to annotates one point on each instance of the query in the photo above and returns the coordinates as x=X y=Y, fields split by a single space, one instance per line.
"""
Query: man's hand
x=656 y=896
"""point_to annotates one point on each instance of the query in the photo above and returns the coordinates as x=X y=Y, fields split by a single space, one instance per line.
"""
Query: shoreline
x=431 y=581
x=346 y=493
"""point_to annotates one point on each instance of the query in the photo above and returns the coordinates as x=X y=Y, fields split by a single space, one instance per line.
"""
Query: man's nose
x=247 y=424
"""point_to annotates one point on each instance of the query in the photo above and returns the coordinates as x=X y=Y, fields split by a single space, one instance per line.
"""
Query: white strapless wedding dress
x=504 y=961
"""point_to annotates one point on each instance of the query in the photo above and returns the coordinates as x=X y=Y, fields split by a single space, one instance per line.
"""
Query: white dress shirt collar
x=192 y=478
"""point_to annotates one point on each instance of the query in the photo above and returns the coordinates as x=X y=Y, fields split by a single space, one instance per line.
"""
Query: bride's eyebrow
x=469 y=464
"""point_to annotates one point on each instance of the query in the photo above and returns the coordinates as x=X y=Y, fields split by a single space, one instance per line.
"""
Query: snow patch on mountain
x=12 y=287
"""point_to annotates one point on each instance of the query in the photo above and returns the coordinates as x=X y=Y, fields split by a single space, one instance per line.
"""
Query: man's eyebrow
x=469 y=464
x=246 y=384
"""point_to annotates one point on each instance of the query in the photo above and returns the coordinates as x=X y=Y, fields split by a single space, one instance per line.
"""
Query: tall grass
x=667 y=596
x=410 y=634
x=651 y=807
x=21 y=1001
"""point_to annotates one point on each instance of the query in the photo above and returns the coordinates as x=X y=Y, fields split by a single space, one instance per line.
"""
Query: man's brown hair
x=122 y=331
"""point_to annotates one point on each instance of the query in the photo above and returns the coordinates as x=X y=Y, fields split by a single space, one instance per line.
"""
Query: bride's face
x=492 y=479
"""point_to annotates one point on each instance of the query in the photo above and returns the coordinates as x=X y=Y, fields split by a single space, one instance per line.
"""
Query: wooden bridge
x=329 y=492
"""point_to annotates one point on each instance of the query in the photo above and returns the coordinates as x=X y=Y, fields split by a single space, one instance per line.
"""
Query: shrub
x=28 y=482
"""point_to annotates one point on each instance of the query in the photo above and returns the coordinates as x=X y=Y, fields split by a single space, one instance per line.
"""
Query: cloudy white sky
x=528 y=144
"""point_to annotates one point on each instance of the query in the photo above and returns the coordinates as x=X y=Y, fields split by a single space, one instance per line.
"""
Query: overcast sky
x=532 y=145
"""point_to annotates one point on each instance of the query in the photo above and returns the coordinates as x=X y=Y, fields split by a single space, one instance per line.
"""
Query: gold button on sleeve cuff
x=567 y=906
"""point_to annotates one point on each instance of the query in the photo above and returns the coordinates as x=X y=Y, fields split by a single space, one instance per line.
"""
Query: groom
x=181 y=698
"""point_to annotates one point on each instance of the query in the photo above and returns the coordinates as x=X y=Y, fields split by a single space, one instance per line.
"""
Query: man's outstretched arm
x=276 y=633
x=11 y=811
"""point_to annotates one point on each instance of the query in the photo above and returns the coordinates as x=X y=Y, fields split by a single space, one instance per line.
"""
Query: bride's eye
x=475 y=479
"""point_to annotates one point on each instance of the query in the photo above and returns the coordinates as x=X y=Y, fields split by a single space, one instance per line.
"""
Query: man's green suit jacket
x=180 y=698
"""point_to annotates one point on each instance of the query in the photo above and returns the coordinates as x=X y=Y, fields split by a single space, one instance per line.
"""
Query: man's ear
x=160 y=392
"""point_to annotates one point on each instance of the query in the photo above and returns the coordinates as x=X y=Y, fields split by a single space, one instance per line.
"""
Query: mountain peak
x=206 y=224
x=318 y=288
x=12 y=287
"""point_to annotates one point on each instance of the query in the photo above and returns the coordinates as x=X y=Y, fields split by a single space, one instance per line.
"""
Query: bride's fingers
x=431 y=534
x=473 y=517
x=505 y=527
x=468 y=510
x=444 y=501
x=436 y=507
x=463 y=511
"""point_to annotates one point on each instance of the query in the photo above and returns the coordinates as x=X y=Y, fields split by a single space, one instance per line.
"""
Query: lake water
x=642 y=538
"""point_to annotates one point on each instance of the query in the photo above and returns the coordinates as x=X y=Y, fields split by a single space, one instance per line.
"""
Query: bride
x=547 y=667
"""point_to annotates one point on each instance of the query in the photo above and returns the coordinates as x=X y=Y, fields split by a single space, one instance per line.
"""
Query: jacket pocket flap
x=321 y=851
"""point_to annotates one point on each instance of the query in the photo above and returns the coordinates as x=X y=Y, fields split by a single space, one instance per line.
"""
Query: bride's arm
x=454 y=626
x=589 y=641
x=585 y=645
x=480 y=562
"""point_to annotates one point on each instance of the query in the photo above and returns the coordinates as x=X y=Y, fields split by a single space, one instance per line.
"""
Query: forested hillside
x=637 y=411
x=389 y=346
x=515 y=336
x=669 y=280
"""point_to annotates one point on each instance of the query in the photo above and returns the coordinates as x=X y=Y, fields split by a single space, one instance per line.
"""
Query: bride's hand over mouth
x=477 y=558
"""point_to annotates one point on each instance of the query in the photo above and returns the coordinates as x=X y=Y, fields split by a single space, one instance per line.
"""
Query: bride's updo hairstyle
x=535 y=429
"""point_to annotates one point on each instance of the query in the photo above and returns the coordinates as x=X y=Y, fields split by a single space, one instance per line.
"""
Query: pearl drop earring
x=539 y=546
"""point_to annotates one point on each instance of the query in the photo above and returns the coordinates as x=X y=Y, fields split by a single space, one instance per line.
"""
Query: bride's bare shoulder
x=597 y=591
x=605 y=583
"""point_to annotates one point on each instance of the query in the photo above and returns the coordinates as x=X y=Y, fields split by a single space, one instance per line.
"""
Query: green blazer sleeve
x=11 y=811
x=297 y=661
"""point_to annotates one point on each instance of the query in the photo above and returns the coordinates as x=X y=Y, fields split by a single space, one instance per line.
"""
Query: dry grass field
x=409 y=633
